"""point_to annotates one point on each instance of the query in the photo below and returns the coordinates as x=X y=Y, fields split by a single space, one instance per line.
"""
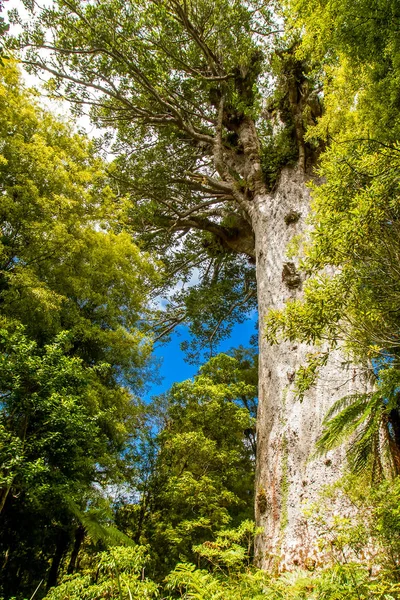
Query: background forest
x=108 y=244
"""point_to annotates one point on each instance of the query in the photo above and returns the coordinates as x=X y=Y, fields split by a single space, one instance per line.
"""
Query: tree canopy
x=73 y=294
x=183 y=90
x=200 y=478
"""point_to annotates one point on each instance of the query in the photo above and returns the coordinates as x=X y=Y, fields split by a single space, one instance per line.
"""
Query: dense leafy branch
x=179 y=80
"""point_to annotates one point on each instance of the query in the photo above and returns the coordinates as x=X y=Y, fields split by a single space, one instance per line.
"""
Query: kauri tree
x=207 y=104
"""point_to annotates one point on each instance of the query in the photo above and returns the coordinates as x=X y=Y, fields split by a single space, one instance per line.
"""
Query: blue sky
x=173 y=367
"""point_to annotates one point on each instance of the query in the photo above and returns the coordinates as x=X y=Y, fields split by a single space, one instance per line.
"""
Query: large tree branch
x=251 y=147
x=220 y=163
x=194 y=209
x=200 y=206
x=189 y=69
x=237 y=239
x=171 y=116
x=167 y=330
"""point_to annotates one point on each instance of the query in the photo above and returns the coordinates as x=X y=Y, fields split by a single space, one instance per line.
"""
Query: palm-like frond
x=367 y=446
x=98 y=525
x=343 y=403
x=362 y=421
x=342 y=420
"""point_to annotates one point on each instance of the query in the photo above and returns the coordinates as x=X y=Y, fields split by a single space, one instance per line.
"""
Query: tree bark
x=62 y=542
x=287 y=428
x=4 y=492
x=79 y=537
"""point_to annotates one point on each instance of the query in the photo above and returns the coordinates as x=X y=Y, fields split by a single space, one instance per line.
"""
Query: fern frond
x=343 y=403
x=343 y=425
x=359 y=419
x=98 y=525
x=364 y=451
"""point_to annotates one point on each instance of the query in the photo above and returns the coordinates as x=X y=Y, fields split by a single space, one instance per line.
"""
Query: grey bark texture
x=286 y=476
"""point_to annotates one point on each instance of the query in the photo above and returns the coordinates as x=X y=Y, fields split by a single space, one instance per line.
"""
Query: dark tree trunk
x=61 y=548
x=79 y=537
x=4 y=492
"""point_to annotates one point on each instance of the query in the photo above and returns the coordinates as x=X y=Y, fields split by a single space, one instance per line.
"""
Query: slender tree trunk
x=60 y=550
x=79 y=537
x=142 y=514
x=3 y=496
x=287 y=428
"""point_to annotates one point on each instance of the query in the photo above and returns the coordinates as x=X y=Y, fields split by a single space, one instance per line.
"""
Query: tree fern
x=342 y=420
x=195 y=584
x=367 y=423
x=98 y=523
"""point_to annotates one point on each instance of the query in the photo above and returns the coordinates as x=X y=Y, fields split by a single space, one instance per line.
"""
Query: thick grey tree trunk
x=286 y=477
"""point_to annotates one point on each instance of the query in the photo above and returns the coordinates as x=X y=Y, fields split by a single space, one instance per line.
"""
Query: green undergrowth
x=357 y=557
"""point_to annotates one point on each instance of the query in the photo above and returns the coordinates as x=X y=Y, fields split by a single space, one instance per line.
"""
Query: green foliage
x=49 y=415
x=231 y=295
x=62 y=265
x=120 y=573
x=307 y=374
x=359 y=554
x=231 y=550
x=192 y=85
x=364 y=537
x=203 y=468
x=359 y=50
x=72 y=295
x=3 y=29
x=229 y=573
x=293 y=104
x=117 y=573
x=161 y=98
x=359 y=558
x=371 y=423
x=279 y=150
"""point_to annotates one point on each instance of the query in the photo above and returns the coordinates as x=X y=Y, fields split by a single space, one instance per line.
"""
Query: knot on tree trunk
x=290 y=276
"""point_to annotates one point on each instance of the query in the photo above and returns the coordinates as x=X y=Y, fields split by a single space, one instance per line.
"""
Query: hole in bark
x=291 y=375
x=292 y=217
x=290 y=276
x=262 y=501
